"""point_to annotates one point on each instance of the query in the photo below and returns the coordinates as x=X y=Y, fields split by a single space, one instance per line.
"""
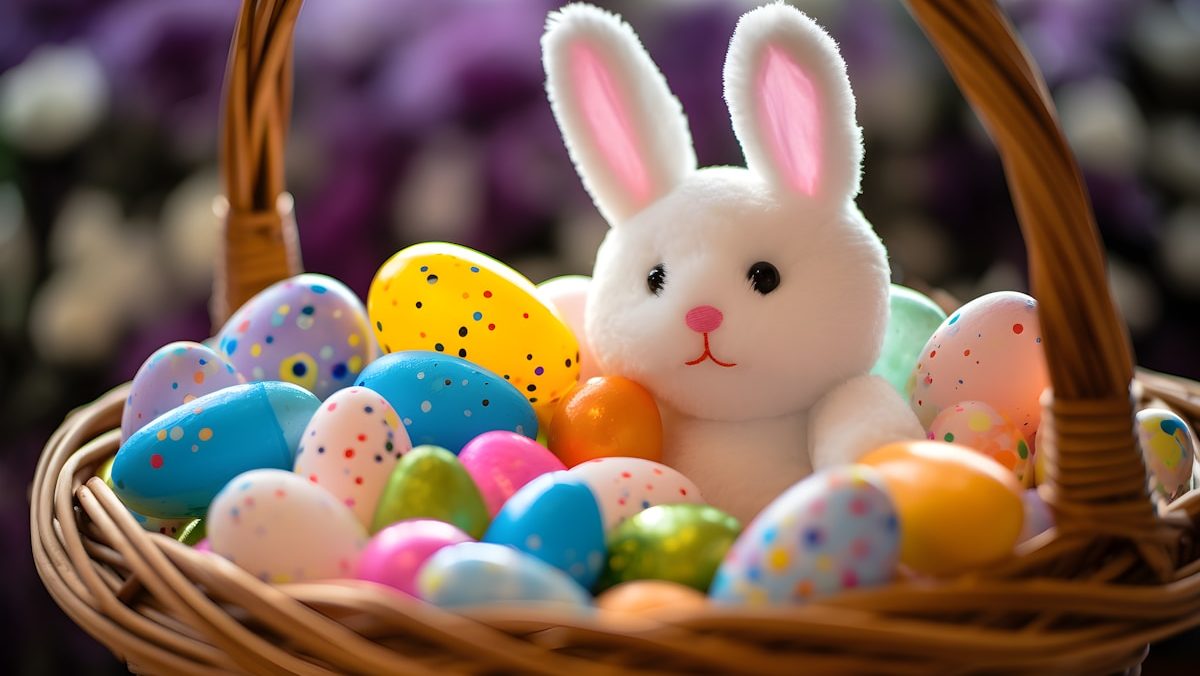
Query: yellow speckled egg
x=448 y=298
x=959 y=510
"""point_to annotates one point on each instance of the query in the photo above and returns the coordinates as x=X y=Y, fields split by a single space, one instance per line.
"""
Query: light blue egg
x=912 y=319
x=447 y=401
x=834 y=531
x=478 y=573
x=172 y=467
x=556 y=519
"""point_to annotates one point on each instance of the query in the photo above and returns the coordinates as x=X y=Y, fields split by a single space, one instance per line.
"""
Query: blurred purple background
x=427 y=120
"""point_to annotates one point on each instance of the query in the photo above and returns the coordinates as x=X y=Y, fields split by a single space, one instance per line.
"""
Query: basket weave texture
x=1116 y=573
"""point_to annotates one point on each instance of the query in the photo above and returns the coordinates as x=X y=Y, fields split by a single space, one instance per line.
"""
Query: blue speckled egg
x=555 y=518
x=309 y=330
x=835 y=530
x=174 y=466
x=447 y=401
x=174 y=374
x=478 y=573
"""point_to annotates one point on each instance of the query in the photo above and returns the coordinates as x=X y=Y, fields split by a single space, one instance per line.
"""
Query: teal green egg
x=914 y=317
x=682 y=543
x=430 y=483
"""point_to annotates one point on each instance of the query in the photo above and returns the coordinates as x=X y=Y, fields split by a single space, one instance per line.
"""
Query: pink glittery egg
x=501 y=462
x=394 y=555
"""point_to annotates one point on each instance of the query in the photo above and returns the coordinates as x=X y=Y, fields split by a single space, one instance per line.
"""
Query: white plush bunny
x=750 y=301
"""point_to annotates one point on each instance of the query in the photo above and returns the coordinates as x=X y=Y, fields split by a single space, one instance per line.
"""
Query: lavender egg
x=173 y=375
x=309 y=330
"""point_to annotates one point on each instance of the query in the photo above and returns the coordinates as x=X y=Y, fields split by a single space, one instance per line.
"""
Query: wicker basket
x=1087 y=597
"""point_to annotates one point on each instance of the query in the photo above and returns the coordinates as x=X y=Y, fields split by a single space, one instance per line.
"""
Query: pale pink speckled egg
x=978 y=426
x=990 y=350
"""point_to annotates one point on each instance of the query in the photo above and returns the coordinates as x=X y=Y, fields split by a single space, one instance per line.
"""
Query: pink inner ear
x=608 y=120
x=790 y=119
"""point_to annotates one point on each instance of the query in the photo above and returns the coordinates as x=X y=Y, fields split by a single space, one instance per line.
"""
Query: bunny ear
x=791 y=104
x=624 y=130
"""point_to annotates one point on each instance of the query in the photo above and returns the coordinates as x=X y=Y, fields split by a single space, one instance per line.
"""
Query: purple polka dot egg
x=834 y=531
x=173 y=375
x=309 y=330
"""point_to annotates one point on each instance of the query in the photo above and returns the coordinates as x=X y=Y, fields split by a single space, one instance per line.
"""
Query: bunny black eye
x=764 y=277
x=656 y=279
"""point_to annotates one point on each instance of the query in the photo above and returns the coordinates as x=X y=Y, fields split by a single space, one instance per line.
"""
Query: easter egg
x=502 y=462
x=568 y=295
x=604 y=417
x=958 y=509
x=677 y=543
x=833 y=531
x=451 y=299
x=174 y=466
x=554 y=518
x=193 y=533
x=394 y=555
x=912 y=319
x=989 y=350
x=430 y=483
x=174 y=375
x=978 y=426
x=625 y=486
x=1038 y=516
x=278 y=526
x=446 y=401
x=478 y=573
x=309 y=330
x=168 y=526
x=350 y=447
x=651 y=597
x=1168 y=449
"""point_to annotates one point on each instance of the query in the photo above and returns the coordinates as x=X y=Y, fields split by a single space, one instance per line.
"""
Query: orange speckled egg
x=448 y=298
x=958 y=509
x=990 y=350
x=978 y=426
x=608 y=416
x=647 y=597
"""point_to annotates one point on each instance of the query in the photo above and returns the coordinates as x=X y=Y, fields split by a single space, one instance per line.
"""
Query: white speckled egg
x=990 y=350
x=625 y=486
x=174 y=375
x=351 y=446
x=282 y=528
x=1168 y=449
x=835 y=530
x=310 y=330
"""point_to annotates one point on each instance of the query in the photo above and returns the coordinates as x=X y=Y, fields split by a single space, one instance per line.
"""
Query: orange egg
x=646 y=597
x=608 y=416
x=959 y=510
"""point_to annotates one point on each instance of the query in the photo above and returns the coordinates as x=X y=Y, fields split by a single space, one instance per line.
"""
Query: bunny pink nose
x=704 y=318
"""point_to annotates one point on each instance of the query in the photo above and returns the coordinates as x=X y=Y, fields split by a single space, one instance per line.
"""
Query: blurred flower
x=53 y=100
x=192 y=232
x=1103 y=124
x=17 y=260
x=1179 y=249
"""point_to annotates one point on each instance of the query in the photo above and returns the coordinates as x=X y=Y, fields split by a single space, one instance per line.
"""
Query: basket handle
x=261 y=244
x=1096 y=480
x=1095 y=474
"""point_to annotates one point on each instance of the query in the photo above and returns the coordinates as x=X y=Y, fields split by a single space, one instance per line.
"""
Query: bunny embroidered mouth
x=709 y=355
